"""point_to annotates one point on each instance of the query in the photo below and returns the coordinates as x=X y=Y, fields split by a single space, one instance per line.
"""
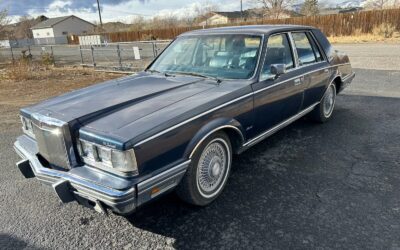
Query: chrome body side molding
x=192 y=119
x=276 y=128
x=213 y=131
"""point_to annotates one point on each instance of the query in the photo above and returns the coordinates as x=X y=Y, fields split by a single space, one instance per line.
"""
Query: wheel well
x=338 y=83
x=235 y=138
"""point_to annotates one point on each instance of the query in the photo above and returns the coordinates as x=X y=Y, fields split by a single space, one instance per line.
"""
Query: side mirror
x=278 y=70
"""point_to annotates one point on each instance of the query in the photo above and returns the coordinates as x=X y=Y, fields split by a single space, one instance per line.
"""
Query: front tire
x=208 y=172
x=323 y=111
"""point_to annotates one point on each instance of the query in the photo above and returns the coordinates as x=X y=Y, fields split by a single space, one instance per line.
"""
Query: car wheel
x=208 y=172
x=323 y=111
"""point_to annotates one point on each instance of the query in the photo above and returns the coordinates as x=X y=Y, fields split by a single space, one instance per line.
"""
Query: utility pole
x=241 y=9
x=98 y=7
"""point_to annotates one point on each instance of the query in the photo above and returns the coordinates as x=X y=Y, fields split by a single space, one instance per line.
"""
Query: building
x=218 y=18
x=56 y=30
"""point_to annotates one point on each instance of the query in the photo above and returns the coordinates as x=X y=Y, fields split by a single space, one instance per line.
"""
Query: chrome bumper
x=346 y=81
x=107 y=191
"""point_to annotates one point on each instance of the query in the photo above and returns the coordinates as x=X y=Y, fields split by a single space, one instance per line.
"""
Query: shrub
x=21 y=69
x=386 y=30
x=47 y=59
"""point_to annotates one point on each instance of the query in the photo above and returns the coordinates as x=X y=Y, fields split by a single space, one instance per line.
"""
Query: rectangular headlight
x=108 y=159
x=27 y=126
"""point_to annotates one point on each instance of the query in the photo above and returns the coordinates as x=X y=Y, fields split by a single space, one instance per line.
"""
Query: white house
x=5 y=44
x=56 y=30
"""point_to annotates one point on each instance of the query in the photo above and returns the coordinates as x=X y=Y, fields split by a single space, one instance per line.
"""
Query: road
x=310 y=186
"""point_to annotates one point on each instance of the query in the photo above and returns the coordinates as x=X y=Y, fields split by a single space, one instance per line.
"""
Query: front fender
x=212 y=127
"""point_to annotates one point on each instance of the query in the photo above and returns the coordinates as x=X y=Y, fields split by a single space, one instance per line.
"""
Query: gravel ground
x=330 y=186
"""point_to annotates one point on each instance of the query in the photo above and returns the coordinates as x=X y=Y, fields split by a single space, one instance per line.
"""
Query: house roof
x=53 y=21
x=233 y=14
x=238 y=14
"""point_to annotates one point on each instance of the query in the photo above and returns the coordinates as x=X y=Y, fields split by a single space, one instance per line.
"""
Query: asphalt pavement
x=310 y=186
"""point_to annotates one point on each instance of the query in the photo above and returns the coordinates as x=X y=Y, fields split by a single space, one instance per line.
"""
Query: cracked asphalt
x=310 y=186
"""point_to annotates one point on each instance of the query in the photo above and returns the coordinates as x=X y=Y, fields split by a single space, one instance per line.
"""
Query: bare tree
x=310 y=8
x=203 y=11
x=382 y=4
x=4 y=21
x=23 y=29
x=137 y=23
x=274 y=8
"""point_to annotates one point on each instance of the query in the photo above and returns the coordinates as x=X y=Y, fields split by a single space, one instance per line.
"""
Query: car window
x=226 y=56
x=316 y=49
x=304 y=49
x=183 y=51
x=278 y=52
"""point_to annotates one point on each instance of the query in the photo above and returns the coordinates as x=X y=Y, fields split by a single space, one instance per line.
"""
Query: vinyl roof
x=256 y=29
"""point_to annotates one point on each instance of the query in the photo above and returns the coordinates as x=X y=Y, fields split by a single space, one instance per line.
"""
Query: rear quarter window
x=304 y=48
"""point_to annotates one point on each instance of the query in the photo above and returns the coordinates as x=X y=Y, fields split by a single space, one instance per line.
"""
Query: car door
x=277 y=99
x=314 y=65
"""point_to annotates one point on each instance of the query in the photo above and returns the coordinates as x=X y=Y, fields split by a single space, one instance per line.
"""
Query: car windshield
x=218 y=56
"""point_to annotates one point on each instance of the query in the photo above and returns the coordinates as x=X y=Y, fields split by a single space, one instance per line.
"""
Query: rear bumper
x=346 y=81
x=94 y=188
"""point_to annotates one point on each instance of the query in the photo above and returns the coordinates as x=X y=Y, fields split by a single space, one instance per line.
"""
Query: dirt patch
x=44 y=83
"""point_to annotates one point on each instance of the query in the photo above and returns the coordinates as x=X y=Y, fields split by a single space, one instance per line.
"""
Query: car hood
x=112 y=108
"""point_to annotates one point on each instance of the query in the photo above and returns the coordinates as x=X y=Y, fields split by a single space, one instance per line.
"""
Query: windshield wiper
x=200 y=75
x=153 y=71
x=159 y=72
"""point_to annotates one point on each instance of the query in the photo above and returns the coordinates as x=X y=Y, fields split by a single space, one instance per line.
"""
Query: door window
x=278 y=52
x=304 y=49
x=316 y=49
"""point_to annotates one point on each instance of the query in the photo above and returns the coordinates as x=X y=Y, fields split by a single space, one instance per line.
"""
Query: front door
x=276 y=100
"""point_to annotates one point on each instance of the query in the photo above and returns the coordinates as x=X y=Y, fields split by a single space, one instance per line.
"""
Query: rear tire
x=323 y=111
x=208 y=172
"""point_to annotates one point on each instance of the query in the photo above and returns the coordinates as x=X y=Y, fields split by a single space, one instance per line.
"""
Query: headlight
x=27 y=126
x=108 y=159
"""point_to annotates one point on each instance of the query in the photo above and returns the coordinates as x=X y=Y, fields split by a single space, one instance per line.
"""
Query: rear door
x=276 y=100
x=314 y=65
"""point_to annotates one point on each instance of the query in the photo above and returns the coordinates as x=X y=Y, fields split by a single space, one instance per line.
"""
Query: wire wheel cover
x=329 y=101
x=212 y=168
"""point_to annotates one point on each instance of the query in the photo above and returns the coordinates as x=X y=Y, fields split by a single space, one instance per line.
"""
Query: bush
x=21 y=69
x=386 y=30
x=47 y=59
x=148 y=37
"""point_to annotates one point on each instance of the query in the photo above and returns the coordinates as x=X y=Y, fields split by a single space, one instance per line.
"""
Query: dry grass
x=19 y=88
x=382 y=33
x=365 y=38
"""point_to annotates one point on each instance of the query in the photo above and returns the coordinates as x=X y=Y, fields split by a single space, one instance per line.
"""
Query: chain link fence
x=129 y=56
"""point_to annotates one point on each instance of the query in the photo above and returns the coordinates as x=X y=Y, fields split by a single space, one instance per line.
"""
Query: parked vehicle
x=211 y=94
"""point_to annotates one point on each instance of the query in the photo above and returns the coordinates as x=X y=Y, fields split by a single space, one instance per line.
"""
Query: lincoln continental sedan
x=210 y=94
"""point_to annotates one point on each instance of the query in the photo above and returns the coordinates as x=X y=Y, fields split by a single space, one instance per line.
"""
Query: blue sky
x=114 y=10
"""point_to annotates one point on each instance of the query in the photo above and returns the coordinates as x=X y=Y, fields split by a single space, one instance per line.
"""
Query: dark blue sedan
x=175 y=126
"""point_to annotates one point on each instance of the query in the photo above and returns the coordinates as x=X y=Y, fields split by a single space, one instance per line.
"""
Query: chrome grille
x=54 y=142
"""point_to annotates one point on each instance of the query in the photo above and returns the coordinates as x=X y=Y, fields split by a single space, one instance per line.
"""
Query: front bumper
x=94 y=188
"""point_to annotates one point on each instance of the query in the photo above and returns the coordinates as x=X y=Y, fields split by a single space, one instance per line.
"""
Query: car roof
x=248 y=29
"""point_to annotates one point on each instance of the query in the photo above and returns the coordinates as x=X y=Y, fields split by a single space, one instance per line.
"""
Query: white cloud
x=125 y=11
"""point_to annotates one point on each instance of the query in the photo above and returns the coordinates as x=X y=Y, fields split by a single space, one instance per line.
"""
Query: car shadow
x=254 y=191
x=288 y=191
x=11 y=242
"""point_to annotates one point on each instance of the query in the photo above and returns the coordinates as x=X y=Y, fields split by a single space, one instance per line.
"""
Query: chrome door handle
x=298 y=81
